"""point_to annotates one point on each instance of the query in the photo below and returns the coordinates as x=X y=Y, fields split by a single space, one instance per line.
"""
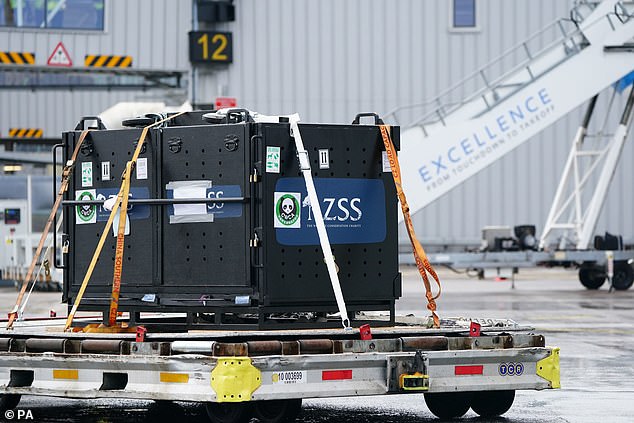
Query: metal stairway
x=457 y=138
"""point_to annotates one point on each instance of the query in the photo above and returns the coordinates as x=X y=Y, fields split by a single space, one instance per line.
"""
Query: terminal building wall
x=329 y=60
x=152 y=32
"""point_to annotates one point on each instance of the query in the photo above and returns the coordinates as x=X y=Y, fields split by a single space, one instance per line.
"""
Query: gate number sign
x=210 y=47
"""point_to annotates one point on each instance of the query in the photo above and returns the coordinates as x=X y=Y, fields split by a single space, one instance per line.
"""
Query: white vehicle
x=18 y=239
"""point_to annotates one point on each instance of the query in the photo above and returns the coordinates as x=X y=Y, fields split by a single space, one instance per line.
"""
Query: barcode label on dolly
x=289 y=378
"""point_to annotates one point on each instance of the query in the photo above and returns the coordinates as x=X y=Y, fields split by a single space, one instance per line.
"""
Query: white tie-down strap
x=304 y=164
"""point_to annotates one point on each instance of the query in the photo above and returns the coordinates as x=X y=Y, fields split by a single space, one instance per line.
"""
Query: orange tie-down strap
x=66 y=175
x=422 y=263
x=120 y=206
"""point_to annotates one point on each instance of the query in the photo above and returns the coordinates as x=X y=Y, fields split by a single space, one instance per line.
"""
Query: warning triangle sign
x=59 y=57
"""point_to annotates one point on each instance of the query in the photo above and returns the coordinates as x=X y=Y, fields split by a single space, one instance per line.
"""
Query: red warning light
x=226 y=102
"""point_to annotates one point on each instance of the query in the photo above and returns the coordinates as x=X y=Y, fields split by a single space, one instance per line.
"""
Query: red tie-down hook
x=474 y=329
x=140 y=334
x=365 y=333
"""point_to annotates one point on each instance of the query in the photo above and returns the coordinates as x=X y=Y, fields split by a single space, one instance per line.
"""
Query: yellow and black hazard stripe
x=17 y=58
x=25 y=132
x=104 y=61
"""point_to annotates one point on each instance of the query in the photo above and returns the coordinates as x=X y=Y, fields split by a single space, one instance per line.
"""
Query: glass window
x=464 y=14
x=57 y=14
x=75 y=14
x=22 y=13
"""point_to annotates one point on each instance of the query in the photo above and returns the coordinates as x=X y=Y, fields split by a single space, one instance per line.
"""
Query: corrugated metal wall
x=153 y=32
x=330 y=59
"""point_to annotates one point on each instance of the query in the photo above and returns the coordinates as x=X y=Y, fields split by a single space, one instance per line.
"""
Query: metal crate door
x=205 y=246
x=359 y=204
x=97 y=176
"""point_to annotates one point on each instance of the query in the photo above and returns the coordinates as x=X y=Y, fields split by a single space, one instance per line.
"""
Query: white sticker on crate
x=290 y=377
x=272 y=159
x=86 y=174
x=189 y=212
x=105 y=171
x=288 y=210
x=324 y=159
x=197 y=190
x=115 y=225
x=85 y=214
x=386 y=162
x=141 y=168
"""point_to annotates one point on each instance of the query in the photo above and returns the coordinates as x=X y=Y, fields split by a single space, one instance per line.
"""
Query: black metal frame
x=153 y=79
x=231 y=317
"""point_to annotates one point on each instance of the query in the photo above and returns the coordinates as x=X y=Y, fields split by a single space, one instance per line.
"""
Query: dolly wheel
x=162 y=410
x=592 y=276
x=9 y=402
x=448 y=405
x=492 y=403
x=623 y=276
x=277 y=411
x=229 y=412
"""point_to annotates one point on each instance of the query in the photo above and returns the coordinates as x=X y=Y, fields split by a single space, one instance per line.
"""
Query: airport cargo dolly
x=237 y=369
x=238 y=374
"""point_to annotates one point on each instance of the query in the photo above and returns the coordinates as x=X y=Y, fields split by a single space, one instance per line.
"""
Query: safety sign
x=60 y=57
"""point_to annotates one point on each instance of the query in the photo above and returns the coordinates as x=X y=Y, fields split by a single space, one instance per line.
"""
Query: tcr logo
x=341 y=209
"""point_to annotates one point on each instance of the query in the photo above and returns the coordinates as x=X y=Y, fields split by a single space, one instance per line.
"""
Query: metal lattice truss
x=586 y=178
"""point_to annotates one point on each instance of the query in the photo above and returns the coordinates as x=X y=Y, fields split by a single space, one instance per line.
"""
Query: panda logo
x=287 y=210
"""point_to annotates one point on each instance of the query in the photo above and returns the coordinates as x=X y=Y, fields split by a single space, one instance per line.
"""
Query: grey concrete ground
x=595 y=330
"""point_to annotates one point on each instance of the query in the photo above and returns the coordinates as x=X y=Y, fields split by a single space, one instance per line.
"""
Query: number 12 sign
x=210 y=47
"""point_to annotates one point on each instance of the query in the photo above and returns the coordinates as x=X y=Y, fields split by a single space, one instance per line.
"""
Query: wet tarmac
x=595 y=330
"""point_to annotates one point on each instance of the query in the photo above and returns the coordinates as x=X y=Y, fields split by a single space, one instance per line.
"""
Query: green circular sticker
x=287 y=209
x=86 y=213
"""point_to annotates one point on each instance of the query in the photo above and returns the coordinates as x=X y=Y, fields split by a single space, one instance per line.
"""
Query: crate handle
x=82 y=123
x=377 y=119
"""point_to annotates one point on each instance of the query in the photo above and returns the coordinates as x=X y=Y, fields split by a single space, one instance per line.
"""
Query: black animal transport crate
x=252 y=260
